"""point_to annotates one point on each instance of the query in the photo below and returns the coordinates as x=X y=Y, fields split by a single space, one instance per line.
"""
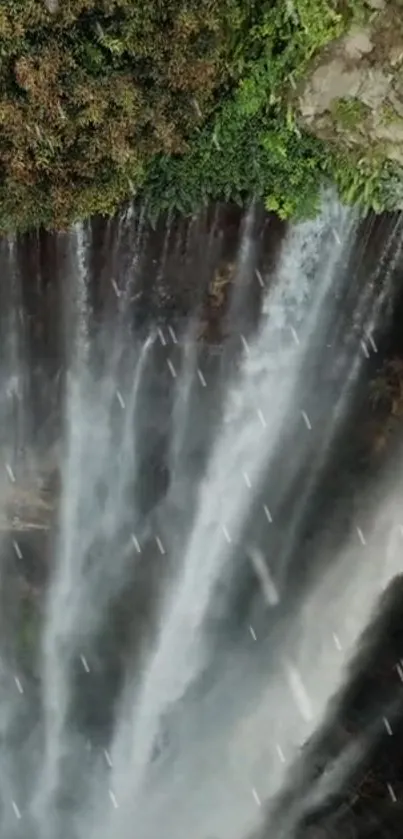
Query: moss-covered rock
x=353 y=94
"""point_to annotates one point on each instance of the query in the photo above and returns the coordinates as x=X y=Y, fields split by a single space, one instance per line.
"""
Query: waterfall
x=239 y=457
x=185 y=477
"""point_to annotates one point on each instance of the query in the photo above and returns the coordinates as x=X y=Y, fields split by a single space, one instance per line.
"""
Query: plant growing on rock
x=180 y=102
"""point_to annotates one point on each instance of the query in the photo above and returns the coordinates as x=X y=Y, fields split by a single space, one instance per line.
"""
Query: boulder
x=352 y=94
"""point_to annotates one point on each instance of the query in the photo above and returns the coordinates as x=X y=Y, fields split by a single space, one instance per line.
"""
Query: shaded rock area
x=368 y=801
x=354 y=91
x=30 y=507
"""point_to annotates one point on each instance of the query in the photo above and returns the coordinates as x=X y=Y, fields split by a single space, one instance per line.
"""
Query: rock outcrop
x=353 y=92
x=52 y=6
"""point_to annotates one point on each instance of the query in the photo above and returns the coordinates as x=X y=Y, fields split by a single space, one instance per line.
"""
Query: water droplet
x=391 y=792
x=10 y=473
x=136 y=543
x=306 y=420
x=253 y=633
x=84 y=663
x=16 y=810
x=226 y=534
x=256 y=797
x=171 y=368
x=120 y=399
x=337 y=642
x=361 y=536
x=19 y=685
x=112 y=796
x=17 y=549
x=201 y=377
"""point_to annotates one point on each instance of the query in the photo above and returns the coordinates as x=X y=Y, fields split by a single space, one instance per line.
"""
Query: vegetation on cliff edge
x=181 y=101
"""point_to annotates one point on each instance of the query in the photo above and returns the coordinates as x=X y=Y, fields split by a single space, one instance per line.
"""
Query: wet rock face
x=354 y=92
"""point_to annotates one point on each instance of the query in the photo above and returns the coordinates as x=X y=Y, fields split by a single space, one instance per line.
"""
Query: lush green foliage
x=349 y=112
x=91 y=93
x=181 y=100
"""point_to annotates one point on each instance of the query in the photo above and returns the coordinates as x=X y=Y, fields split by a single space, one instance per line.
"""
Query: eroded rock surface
x=52 y=6
x=354 y=91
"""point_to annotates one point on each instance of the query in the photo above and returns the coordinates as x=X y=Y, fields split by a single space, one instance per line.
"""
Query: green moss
x=349 y=113
x=388 y=116
x=180 y=102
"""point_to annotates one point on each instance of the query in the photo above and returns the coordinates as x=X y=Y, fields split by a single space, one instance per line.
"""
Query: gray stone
x=396 y=55
x=392 y=132
x=329 y=82
x=396 y=103
x=52 y=6
x=395 y=153
x=375 y=88
x=365 y=65
x=357 y=43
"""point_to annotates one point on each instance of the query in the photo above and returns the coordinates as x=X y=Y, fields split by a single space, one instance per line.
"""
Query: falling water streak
x=368 y=315
x=14 y=434
x=80 y=249
x=386 y=270
x=122 y=281
x=194 y=229
x=395 y=233
x=67 y=591
x=370 y=326
x=13 y=361
x=350 y=587
x=183 y=399
x=333 y=778
x=245 y=259
x=133 y=229
x=245 y=248
x=140 y=243
x=227 y=531
x=319 y=461
x=305 y=794
x=270 y=592
x=57 y=635
x=71 y=596
x=177 y=655
x=129 y=466
x=346 y=579
x=13 y=330
x=159 y=288
x=387 y=287
x=287 y=269
x=176 y=646
x=12 y=709
x=115 y=252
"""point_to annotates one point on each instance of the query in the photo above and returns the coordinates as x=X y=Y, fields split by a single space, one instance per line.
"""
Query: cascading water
x=181 y=476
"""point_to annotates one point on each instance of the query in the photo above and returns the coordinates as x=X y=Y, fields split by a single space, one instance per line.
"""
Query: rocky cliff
x=353 y=92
